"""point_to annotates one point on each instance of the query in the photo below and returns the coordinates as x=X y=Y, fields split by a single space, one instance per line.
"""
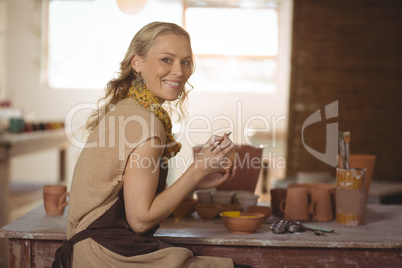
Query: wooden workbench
x=17 y=144
x=34 y=237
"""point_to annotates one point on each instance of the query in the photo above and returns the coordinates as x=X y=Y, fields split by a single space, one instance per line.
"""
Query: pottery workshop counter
x=34 y=237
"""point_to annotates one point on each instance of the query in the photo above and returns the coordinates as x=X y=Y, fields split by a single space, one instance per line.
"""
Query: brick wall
x=350 y=51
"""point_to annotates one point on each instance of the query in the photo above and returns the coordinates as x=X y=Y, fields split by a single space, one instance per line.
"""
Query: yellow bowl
x=242 y=222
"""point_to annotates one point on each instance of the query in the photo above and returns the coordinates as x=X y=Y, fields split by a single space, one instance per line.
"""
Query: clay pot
x=278 y=195
x=208 y=210
x=186 y=207
x=267 y=211
x=295 y=207
x=331 y=188
x=242 y=222
x=248 y=171
x=320 y=207
x=55 y=199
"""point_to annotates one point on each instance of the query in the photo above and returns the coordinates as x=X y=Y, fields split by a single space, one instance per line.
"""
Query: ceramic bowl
x=246 y=200
x=208 y=210
x=204 y=196
x=222 y=197
x=242 y=222
x=267 y=211
x=186 y=207
x=238 y=192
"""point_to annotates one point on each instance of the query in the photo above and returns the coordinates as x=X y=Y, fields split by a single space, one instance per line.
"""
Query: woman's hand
x=215 y=179
x=216 y=166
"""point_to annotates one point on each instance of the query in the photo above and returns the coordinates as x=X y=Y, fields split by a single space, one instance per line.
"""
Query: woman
x=118 y=193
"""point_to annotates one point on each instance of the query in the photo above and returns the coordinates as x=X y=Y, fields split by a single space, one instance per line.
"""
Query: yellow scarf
x=150 y=102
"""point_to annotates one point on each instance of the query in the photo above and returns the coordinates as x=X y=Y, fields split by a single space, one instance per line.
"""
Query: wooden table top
x=383 y=229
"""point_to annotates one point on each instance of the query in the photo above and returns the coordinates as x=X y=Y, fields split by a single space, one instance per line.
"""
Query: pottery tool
x=342 y=152
x=346 y=137
x=313 y=228
x=219 y=143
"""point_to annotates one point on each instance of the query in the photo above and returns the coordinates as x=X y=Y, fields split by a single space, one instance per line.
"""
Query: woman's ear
x=135 y=63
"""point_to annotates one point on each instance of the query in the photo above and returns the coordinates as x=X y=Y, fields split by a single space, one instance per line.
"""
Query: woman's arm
x=143 y=208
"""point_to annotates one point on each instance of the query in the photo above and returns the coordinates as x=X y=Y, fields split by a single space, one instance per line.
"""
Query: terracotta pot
x=320 y=207
x=267 y=211
x=325 y=186
x=277 y=196
x=248 y=171
x=55 y=199
x=208 y=210
x=295 y=207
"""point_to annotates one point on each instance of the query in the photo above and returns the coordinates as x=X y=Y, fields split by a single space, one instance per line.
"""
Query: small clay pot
x=208 y=210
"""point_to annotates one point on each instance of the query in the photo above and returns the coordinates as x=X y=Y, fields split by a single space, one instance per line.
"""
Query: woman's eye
x=166 y=60
x=186 y=63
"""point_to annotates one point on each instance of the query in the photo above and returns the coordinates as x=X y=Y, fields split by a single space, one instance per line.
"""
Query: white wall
x=23 y=57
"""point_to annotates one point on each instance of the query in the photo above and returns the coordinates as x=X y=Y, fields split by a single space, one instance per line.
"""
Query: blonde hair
x=117 y=88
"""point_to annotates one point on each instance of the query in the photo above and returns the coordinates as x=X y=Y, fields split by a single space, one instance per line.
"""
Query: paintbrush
x=342 y=152
x=346 y=136
x=219 y=143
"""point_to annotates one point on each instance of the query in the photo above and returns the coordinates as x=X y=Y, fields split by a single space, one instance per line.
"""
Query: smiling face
x=167 y=66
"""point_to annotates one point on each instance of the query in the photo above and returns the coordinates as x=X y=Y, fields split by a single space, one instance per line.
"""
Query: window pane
x=232 y=74
x=88 y=39
x=233 y=31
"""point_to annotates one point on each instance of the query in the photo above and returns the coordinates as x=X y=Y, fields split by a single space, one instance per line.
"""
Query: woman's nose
x=177 y=69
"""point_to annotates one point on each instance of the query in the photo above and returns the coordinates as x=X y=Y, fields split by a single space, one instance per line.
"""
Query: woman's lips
x=172 y=84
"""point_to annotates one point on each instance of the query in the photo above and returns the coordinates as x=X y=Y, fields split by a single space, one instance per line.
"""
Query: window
x=87 y=39
x=236 y=46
